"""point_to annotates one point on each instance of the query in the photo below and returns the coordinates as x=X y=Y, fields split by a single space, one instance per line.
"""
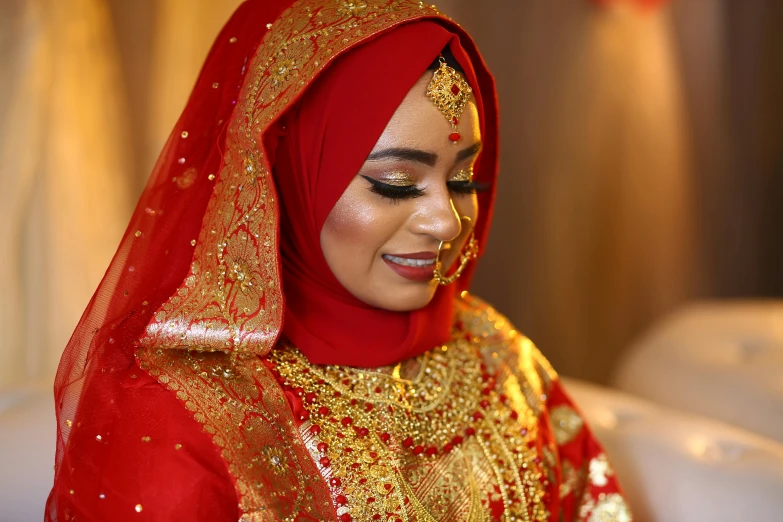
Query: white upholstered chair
x=679 y=467
x=717 y=359
x=27 y=440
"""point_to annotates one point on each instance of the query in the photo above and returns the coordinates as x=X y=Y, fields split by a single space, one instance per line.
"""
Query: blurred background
x=641 y=167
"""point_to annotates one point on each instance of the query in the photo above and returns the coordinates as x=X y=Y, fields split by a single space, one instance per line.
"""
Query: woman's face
x=381 y=238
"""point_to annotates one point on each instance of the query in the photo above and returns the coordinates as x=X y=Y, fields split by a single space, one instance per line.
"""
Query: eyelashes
x=401 y=193
x=394 y=192
x=467 y=187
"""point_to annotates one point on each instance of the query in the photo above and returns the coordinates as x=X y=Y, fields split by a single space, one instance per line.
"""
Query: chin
x=406 y=299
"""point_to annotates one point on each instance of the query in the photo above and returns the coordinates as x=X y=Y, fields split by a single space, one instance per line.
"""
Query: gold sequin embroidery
x=566 y=423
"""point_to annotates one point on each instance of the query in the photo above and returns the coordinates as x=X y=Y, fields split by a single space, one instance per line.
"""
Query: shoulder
x=139 y=454
x=501 y=344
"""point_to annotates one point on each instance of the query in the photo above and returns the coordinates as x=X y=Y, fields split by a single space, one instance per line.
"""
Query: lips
x=419 y=267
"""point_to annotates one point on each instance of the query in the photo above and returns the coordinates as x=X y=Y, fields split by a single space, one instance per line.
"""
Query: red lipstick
x=419 y=266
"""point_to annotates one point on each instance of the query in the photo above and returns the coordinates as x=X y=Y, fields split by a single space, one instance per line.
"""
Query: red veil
x=199 y=267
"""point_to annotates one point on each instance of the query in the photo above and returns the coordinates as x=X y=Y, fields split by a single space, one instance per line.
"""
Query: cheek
x=354 y=230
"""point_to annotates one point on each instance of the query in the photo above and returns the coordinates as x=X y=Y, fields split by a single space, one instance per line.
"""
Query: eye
x=394 y=192
x=466 y=187
x=462 y=183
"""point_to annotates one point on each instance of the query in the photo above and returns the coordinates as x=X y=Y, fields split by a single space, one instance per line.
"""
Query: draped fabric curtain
x=63 y=172
x=184 y=32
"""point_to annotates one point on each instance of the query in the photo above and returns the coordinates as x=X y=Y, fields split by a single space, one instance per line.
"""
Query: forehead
x=418 y=122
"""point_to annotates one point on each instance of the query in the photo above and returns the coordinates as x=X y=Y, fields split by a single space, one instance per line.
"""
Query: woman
x=285 y=333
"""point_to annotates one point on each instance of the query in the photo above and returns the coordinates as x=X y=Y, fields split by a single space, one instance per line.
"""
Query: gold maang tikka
x=449 y=91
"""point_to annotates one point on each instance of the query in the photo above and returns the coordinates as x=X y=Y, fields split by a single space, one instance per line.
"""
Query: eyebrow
x=420 y=156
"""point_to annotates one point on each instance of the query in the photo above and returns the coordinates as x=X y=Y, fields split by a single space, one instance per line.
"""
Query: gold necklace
x=364 y=429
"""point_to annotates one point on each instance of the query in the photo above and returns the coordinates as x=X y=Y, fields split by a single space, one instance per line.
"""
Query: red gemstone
x=455 y=137
x=354 y=402
x=335 y=482
x=448 y=447
x=378 y=389
x=385 y=437
x=346 y=421
x=345 y=517
x=432 y=451
x=337 y=394
x=323 y=410
x=299 y=391
x=368 y=407
x=486 y=391
x=305 y=415
x=514 y=415
x=470 y=431
x=408 y=442
x=455 y=89
x=484 y=404
x=457 y=440
x=502 y=398
x=478 y=416
x=322 y=447
x=310 y=398
x=341 y=500
x=418 y=450
x=363 y=432
x=325 y=462
x=371 y=500
x=455 y=121
x=376 y=517
x=315 y=429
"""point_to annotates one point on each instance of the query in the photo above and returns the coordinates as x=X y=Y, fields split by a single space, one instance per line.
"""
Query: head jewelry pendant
x=449 y=91
x=469 y=253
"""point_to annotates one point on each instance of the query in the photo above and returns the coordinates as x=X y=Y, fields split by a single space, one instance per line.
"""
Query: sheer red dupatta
x=193 y=271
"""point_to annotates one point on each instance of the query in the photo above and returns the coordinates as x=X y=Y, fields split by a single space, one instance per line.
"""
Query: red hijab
x=327 y=137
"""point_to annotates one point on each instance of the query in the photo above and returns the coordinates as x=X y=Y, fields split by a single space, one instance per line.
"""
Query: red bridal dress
x=221 y=373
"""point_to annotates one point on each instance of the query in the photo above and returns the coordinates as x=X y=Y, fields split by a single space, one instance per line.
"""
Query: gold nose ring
x=469 y=253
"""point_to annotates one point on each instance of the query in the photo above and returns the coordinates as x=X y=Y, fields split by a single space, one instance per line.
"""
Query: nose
x=437 y=217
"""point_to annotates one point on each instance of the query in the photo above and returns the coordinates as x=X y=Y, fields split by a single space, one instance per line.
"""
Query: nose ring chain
x=469 y=253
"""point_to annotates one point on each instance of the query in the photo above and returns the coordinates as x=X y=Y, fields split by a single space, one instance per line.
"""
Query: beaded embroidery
x=375 y=436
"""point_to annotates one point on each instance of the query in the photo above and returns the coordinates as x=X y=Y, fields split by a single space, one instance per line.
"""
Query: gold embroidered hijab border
x=231 y=300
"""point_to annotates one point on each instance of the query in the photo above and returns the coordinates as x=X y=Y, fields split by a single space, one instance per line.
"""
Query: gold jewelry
x=469 y=253
x=449 y=91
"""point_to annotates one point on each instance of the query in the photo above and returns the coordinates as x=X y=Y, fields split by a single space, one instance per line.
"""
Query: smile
x=419 y=267
x=404 y=261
